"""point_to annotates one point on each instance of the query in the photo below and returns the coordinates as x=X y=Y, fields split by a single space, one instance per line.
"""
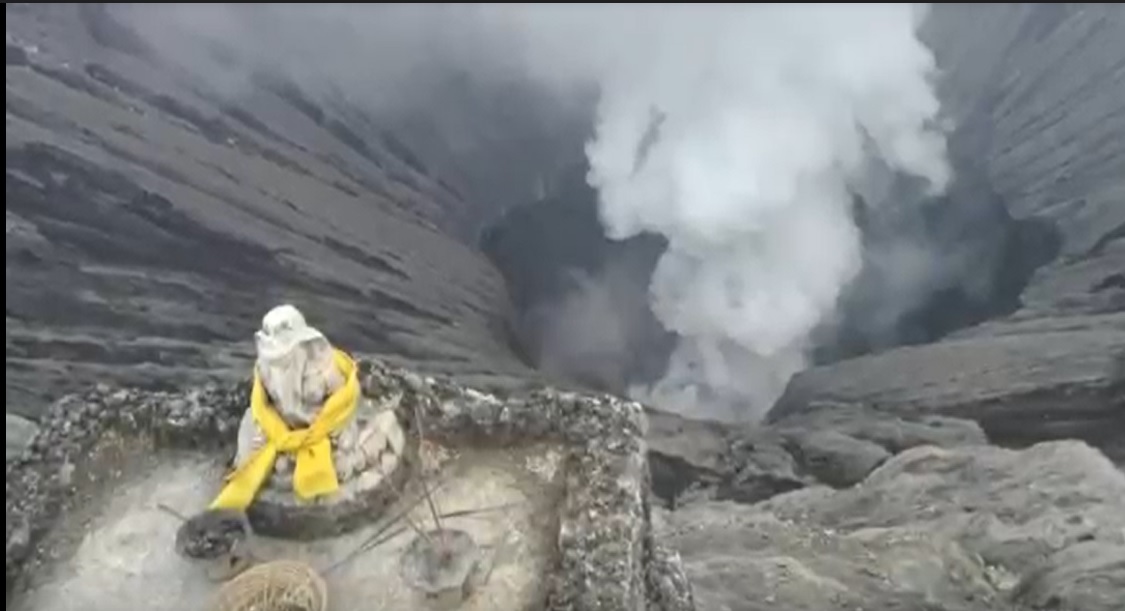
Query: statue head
x=283 y=329
x=295 y=364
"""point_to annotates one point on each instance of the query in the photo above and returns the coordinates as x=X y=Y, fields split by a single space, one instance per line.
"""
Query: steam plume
x=766 y=119
x=740 y=133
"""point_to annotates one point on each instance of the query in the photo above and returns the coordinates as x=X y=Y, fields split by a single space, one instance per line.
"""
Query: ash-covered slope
x=1038 y=96
x=149 y=219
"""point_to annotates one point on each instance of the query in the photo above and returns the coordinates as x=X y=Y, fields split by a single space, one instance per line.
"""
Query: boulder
x=965 y=528
x=759 y=467
x=837 y=459
x=892 y=432
x=742 y=559
x=685 y=454
x=837 y=445
x=1034 y=382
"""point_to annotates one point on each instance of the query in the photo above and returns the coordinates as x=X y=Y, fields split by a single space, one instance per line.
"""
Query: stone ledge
x=604 y=540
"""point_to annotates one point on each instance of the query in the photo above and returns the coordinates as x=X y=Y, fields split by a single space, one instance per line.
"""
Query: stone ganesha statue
x=302 y=381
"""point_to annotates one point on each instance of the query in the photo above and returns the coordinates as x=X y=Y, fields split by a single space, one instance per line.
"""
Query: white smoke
x=769 y=116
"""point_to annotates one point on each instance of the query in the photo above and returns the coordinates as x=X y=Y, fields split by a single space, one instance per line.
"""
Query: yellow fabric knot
x=315 y=473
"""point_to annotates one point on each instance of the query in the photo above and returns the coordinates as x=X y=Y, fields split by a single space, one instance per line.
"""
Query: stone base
x=360 y=502
x=277 y=512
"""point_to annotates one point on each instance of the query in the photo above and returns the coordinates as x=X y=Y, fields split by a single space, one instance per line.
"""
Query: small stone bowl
x=220 y=539
x=446 y=566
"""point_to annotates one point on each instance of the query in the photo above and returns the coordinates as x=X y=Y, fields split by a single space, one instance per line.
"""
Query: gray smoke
x=589 y=333
x=739 y=133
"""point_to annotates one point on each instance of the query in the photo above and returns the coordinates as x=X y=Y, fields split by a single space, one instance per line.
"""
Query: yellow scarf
x=315 y=473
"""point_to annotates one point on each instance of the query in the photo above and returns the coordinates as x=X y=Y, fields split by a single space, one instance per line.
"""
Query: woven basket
x=282 y=585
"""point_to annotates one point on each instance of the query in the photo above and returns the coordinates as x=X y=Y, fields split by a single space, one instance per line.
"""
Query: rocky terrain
x=932 y=528
x=872 y=484
x=150 y=220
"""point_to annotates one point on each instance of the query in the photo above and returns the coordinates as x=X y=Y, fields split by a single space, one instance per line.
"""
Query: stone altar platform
x=554 y=486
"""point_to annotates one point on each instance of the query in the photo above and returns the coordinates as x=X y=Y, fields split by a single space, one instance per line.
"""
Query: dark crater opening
x=932 y=266
x=580 y=299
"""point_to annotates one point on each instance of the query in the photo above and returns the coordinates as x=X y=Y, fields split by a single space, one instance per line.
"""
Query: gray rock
x=964 y=528
x=837 y=459
x=836 y=445
x=18 y=434
x=1087 y=575
x=668 y=586
x=892 y=432
x=1021 y=387
x=685 y=454
x=741 y=559
x=1086 y=285
x=760 y=467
